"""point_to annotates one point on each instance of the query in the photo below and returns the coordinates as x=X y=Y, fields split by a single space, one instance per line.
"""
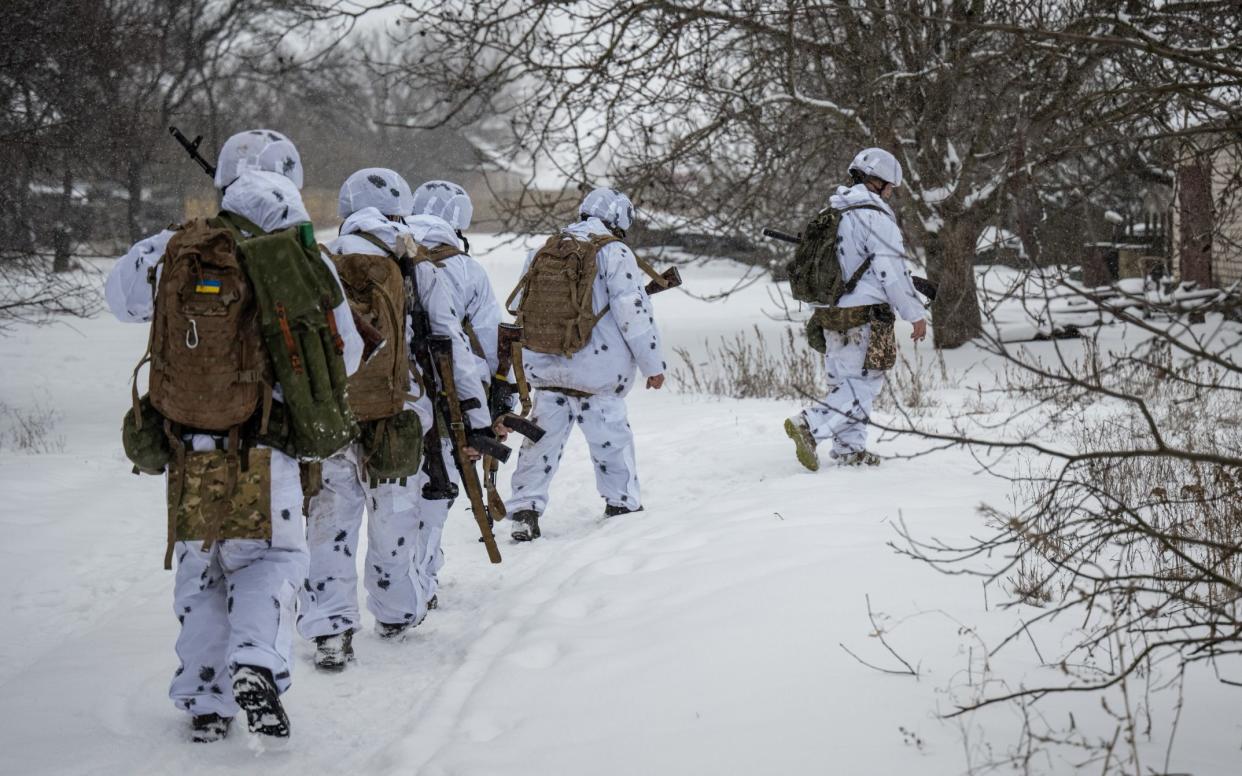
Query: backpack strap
x=864 y=206
x=237 y=223
x=152 y=272
x=441 y=253
x=378 y=243
x=659 y=279
x=176 y=485
x=852 y=283
x=475 y=344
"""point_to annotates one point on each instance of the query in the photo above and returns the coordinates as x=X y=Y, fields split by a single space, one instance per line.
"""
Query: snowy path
x=697 y=636
x=700 y=636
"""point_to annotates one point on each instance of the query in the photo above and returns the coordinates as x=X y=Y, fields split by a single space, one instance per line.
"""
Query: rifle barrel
x=777 y=234
x=191 y=148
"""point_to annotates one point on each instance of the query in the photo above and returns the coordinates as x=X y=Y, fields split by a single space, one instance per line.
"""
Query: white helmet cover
x=445 y=200
x=377 y=187
x=610 y=206
x=878 y=162
x=258 y=149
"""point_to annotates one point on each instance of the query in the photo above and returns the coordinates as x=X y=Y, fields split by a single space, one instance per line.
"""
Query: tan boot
x=804 y=442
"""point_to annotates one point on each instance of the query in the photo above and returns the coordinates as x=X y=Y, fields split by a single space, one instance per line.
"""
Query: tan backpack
x=209 y=369
x=376 y=293
x=556 y=312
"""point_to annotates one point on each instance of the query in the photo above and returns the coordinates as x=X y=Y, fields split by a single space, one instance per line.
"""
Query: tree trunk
x=22 y=218
x=62 y=240
x=1028 y=212
x=133 y=207
x=950 y=258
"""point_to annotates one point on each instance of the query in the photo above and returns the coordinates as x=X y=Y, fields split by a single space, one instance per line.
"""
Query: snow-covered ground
x=700 y=636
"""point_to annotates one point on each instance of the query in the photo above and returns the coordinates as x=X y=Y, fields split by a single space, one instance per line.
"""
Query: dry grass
x=31 y=431
x=750 y=366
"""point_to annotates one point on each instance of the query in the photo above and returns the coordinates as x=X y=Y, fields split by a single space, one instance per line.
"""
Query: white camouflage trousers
x=329 y=596
x=432 y=515
x=843 y=413
x=603 y=423
x=236 y=601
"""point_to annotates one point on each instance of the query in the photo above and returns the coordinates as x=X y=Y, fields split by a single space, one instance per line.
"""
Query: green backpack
x=815 y=270
x=296 y=294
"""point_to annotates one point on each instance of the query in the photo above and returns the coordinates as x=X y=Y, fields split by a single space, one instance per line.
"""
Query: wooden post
x=1095 y=265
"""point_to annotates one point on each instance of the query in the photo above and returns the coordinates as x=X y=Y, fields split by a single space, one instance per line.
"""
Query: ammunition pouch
x=815 y=336
x=310 y=475
x=392 y=448
x=146 y=445
x=882 y=346
x=842 y=319
x=219 y=494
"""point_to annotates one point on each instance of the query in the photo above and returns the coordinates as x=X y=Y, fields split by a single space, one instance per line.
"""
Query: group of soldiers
x=239 y=600
x=240 y=596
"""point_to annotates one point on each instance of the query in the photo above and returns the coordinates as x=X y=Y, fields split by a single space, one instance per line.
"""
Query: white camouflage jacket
x=864 y=233
x=469 y=287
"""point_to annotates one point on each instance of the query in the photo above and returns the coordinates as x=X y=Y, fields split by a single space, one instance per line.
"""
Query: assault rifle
x=434 y=356
x=921 y=284
x=441 y=349
x=500 y=404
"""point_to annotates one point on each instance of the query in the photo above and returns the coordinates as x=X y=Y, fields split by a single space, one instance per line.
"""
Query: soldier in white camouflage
x=240 y=547
x=858 y=334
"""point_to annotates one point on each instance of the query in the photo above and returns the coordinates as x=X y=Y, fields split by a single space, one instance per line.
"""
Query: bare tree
x=89 y=89
x=731 y=113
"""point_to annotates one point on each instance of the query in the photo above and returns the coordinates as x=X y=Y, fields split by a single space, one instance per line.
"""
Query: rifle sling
x=855 y=278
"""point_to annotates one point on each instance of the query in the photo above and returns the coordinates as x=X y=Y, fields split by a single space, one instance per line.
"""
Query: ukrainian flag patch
x=207 y=287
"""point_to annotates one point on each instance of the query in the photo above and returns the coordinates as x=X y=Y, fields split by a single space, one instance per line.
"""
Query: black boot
x=255 y=691
x=525 y=525
x=334 y=651
x=209 y=728
x=391 y=630
x=613 y=511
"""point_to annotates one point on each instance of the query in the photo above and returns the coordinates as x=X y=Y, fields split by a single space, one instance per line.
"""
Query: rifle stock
x=672 y=279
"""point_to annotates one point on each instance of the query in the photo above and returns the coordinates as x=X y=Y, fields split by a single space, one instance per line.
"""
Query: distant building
x=1208 y=217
